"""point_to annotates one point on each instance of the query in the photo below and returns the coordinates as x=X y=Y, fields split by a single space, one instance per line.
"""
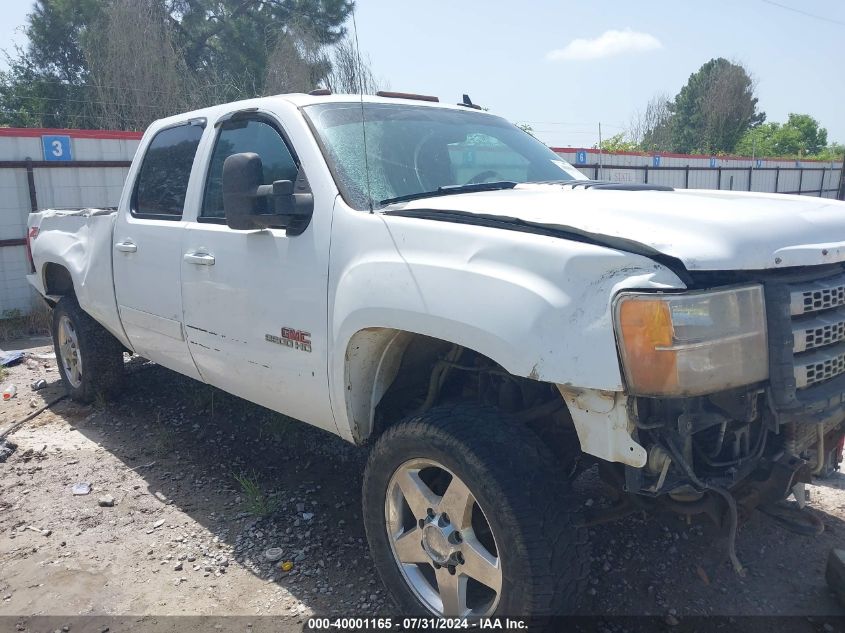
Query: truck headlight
x=692 y=343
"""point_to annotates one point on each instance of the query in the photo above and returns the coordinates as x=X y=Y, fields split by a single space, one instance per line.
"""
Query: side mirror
x=242 y=175
x=290 y=204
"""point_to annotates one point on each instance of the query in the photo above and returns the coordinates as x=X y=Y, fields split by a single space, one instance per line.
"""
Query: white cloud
x=607 y=44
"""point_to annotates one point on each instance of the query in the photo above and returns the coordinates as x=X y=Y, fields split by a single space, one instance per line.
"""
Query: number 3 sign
x=56 y=147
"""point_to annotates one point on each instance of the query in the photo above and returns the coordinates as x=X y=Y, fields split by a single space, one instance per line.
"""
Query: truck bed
x=79 y=240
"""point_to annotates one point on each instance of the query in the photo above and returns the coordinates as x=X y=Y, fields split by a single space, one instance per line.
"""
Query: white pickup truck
x=435 y=284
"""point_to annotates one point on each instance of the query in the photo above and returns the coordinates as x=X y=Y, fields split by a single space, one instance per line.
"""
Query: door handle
x=200 y=259
x=126 y=246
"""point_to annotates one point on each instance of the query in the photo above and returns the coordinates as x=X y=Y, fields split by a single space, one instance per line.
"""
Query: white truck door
x=255 y=301
x=148 y=251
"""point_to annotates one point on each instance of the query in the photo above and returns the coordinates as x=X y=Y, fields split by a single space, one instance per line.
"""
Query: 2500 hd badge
x=295 y=339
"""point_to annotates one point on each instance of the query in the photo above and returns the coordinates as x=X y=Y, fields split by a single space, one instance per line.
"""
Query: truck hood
x=702 y=229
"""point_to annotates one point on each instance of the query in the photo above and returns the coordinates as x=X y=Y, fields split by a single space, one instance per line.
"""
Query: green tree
x=801 y=135
x=618 y=143
x=225 y=47
x=714 y=109
x=759 y=141
x=834 y=151
x=232 y=40
x=45 y=82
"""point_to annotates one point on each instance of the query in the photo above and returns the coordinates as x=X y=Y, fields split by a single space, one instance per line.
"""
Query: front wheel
x=467 y=516
x=90 y=359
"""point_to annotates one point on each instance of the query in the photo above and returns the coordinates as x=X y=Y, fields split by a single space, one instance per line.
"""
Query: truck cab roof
x=301 y=100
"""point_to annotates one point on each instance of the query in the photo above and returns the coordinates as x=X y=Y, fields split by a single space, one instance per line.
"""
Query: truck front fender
x=539 y=306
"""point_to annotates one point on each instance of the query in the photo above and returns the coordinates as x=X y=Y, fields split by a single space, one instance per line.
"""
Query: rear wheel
x=90 y=359
x=467 y=515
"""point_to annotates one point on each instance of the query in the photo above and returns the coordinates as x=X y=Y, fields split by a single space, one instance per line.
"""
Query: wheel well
x=391 y=374
x=57 y=280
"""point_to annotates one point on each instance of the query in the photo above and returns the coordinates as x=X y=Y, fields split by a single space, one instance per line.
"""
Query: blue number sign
x=581 y=157
x=712 y=162
x=655 y=161
x=56 y=147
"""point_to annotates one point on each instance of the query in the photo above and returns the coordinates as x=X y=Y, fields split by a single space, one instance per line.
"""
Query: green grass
x=275 y=427
x=165 y=440
x=100 y=401
x=257 y=502
x=199 y=397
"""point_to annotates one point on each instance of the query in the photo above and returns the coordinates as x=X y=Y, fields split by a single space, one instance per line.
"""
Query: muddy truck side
x=432 y=283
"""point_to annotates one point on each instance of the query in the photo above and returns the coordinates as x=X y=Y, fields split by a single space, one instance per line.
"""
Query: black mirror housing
x=293 y=203
x=242 y=175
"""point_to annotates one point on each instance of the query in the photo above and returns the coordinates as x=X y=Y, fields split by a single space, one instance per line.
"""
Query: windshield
x=417 y=149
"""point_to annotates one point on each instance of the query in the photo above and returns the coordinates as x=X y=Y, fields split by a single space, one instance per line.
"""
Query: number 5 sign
x=56 y=147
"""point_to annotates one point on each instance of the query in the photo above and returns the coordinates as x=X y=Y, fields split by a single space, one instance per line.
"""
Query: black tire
x=525 y=499
x=101 y=354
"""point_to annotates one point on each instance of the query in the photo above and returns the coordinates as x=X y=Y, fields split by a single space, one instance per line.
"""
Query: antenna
x=363 y=124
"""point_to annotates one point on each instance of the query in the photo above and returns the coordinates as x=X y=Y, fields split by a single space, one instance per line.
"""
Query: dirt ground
x=184 y=536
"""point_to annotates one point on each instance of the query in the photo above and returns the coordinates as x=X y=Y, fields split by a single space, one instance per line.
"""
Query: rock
x=273 y=554
x=158 y=524
x=106 y=501
x=177 y=566
x=671 y=620
x=82 y=488
x=307 y=515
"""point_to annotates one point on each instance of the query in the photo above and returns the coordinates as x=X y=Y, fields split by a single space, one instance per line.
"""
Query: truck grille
x=817 y=310
x=819 y=295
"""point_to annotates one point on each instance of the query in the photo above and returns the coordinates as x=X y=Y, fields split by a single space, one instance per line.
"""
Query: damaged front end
x=724 y=452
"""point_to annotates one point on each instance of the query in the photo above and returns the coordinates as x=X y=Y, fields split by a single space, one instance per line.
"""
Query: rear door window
x=163 y=179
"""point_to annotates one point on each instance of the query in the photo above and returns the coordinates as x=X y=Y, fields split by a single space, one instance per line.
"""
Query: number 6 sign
x=56 y=147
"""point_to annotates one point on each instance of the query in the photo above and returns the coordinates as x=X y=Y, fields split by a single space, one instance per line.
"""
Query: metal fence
x=814 y=178
x=89 y=170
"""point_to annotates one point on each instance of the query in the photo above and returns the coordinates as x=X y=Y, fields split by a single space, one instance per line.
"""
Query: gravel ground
x=168 y=529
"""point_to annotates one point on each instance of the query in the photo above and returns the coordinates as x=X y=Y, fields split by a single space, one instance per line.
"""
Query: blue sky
x=565 y=65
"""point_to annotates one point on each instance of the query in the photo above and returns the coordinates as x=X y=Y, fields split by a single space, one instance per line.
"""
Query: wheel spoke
x=457 y=502
x=68 y=348
x=418 y=495
x=480 y=564
x=409 y=549
x=453 y=592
